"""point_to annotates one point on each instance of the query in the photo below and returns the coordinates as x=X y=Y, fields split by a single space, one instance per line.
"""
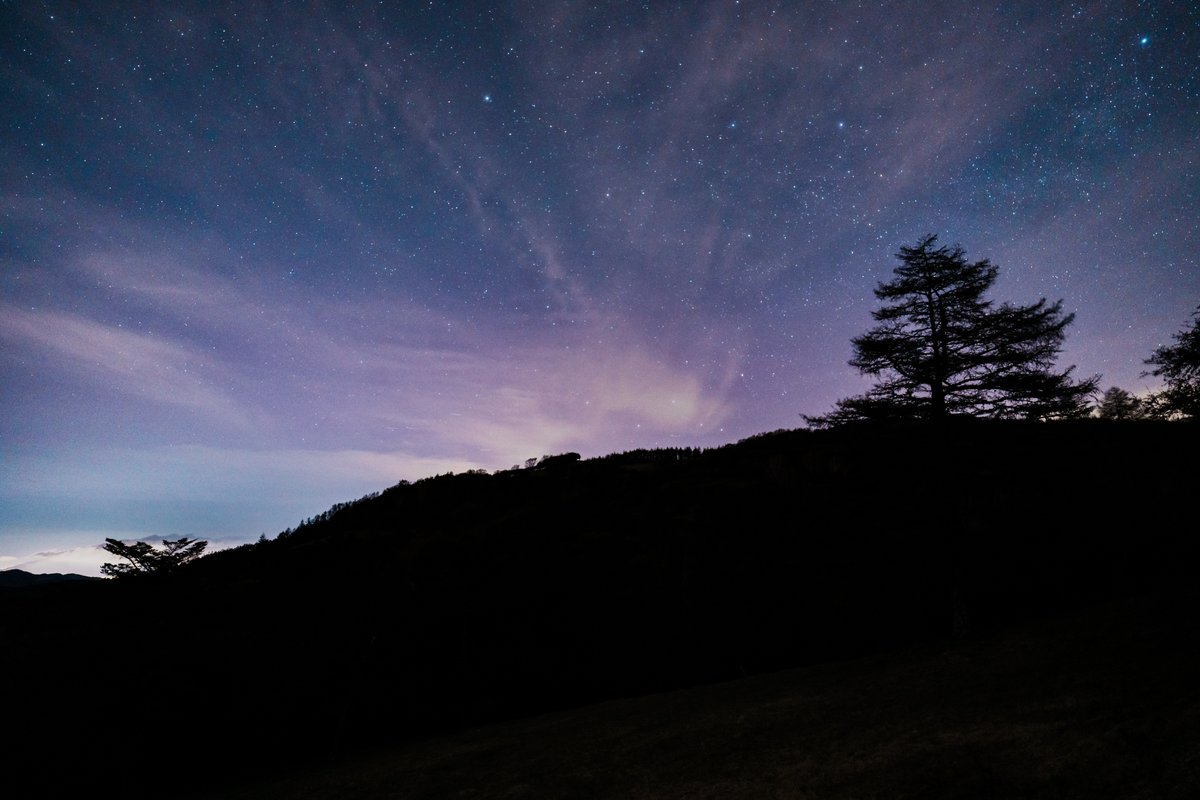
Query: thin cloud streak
x=385 y=352
x=136 y=364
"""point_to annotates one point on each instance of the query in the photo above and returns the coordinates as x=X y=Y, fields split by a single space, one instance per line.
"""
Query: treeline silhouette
x=462 y=599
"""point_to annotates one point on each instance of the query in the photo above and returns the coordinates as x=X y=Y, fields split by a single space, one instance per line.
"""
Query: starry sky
x=256 y=259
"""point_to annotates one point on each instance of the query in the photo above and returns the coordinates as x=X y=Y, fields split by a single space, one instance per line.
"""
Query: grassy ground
x=1102 y=702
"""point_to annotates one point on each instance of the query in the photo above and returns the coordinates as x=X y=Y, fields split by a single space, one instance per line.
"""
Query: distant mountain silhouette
x=17 y=578
x=464 y=599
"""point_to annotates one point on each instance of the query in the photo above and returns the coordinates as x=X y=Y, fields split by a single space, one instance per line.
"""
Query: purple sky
x=254 y=262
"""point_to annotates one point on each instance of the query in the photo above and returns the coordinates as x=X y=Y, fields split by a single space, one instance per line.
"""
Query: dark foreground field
x=1098 y=703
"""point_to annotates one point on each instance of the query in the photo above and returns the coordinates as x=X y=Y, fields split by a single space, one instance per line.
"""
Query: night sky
x=257 y=261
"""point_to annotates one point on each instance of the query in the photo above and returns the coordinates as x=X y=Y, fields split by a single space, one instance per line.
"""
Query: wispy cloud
x=83 y=560
x=375 y=374
x=576 y=396
x=137 y=364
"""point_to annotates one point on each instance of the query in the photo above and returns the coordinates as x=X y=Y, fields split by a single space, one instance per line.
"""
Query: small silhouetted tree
x=942 y=349
x=1119 y=404
x=1179 y=366
x=146 y=559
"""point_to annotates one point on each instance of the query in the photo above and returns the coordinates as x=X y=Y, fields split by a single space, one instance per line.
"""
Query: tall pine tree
x=1179 y=366
x=941 y=349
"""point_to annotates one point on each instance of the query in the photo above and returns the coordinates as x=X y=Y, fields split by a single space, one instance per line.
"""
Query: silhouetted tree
x=941 y=349
x=145 y=559
x=1119 y=404
x=1179 y=366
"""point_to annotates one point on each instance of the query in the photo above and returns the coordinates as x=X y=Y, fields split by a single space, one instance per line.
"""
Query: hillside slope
x=461 y=600
x=1098 y=702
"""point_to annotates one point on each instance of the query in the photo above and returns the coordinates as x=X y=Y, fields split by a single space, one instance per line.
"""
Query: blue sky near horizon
x=256 y=260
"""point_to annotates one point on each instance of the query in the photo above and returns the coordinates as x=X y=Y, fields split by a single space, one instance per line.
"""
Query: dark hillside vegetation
x=467 y=599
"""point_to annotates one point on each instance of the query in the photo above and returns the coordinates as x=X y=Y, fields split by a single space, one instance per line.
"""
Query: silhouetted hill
x=19 y=578
x=465 y=599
